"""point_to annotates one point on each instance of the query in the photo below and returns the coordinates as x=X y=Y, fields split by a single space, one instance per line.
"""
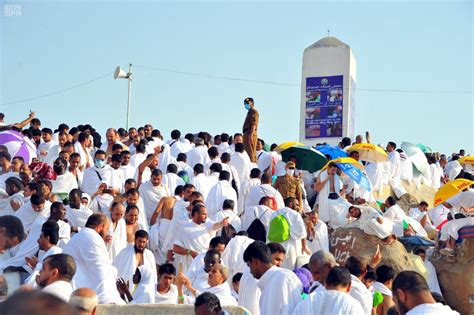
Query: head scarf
x=165 y=158
x=305 y=277
x=42 y=170
x=145 y=291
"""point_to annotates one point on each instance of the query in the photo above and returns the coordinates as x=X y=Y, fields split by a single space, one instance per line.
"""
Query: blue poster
x=323 y=118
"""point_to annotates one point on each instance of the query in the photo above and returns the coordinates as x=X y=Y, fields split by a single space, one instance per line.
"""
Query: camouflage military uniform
x=250 y=142
x=288 y=186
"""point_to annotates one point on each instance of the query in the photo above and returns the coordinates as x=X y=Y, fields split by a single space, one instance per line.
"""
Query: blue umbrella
x=355 y=174
x=416 y=240
x=334 y=152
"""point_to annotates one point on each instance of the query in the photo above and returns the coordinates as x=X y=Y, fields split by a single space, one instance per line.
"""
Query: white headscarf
x=145 y=291
x=165 y=158
x=86 y=196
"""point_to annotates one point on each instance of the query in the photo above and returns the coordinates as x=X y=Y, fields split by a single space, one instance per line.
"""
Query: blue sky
x=398 y=46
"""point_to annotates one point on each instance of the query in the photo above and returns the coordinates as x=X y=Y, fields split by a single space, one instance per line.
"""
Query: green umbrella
x=424 y=148
x=307 y=158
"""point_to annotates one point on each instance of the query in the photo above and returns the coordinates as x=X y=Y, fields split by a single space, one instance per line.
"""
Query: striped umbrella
x=18 y=145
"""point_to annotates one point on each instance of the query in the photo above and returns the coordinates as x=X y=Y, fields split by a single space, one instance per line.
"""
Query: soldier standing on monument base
x=250 y=129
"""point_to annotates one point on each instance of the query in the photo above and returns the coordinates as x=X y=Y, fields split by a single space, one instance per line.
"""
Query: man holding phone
x=102 y=182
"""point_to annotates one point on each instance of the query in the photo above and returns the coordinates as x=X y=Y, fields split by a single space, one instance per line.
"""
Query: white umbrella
x=417 y=157
x=18 y=145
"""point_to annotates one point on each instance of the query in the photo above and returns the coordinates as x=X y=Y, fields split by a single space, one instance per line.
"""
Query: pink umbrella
x=18 y=145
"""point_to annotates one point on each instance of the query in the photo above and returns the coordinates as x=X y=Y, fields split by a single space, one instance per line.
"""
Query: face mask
x=290 y=172
x=99 y=163
x=247 y=106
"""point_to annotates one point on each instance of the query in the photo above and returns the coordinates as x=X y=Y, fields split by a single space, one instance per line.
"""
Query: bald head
x=99 y=223
x=322 y=257
x=111 y=135
x=95 y=220
x=85 y=300
x=112 y=130
x=35 y=302
x=266 y=179
x=320 y=264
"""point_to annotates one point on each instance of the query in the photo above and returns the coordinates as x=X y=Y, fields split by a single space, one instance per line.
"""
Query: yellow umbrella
x=467 y=159
x=345 y=160
x=369 y=152
x=451 y=189
x=287 y=145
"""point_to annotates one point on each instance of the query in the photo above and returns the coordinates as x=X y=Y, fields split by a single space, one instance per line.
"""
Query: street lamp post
x=119 y=73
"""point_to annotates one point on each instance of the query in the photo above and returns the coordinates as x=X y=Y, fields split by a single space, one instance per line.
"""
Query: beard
x=401 y=307
x=42 y=284
x=103 y=234
x=138 y=250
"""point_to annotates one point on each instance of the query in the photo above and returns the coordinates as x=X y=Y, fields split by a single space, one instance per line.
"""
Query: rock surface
x=352 y=241
x=456 y=276
x=407 y=201
x=424 y=192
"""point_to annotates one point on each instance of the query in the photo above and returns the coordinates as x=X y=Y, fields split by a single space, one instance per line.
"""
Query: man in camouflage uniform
x=249 y=130
x=288 y=185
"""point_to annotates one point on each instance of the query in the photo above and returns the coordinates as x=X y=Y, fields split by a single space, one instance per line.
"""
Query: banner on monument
x=324 y=99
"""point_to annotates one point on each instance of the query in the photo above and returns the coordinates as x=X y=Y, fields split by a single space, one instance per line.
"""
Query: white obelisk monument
x=327 y=92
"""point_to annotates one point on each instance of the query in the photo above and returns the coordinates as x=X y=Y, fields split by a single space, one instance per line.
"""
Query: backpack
x=256 y=229
x=279 y=230
x=273 y=201
x=227 y=233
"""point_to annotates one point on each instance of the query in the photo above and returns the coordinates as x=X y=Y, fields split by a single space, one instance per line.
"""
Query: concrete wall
x=159 y=309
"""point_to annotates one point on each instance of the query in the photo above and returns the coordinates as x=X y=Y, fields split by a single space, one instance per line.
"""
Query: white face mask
x=290 y=172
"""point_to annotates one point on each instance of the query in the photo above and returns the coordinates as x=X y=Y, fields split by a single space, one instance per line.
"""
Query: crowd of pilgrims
x=141 y=219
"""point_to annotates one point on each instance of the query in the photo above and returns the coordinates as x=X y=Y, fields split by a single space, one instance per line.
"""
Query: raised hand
x=32 y=261
x=377 y=258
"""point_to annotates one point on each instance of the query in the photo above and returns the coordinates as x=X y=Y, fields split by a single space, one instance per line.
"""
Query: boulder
x=346 y=242
x=407 y=201
x=456 y=276
x=424 y=192
x=414 y=193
